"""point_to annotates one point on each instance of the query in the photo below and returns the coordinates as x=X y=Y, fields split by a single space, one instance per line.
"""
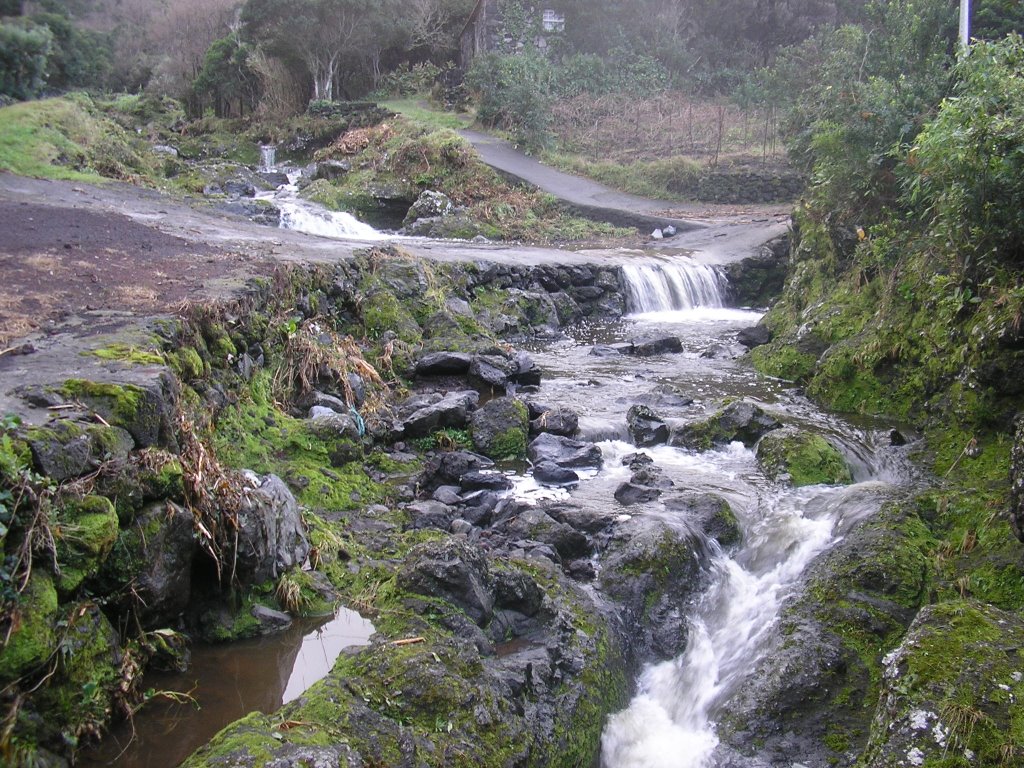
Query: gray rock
x=630 y=493
x=708 y=513
x=330 y=170
x=448 y=468
x=61 y=453
x=493 y=371
x=485 y=481
x=755 y=336
x=741 y=421
x=453 y=571
x=645 y=426
x=270 y=620
x=451 y=410
x=430 y=514
x=534 y=524
x=443 y=364
x=429 y=205
x=500 y=427
x=271 y=534
x=327 y=423
x=564 y=452
x=549 y=473
x=658 y=345
x=448 y=494
x=723 y=351
x=556 y=421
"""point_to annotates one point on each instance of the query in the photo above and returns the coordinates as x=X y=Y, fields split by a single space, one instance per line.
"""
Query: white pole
x=965 y=24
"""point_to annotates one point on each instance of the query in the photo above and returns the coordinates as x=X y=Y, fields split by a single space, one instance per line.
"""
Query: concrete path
x=591 y=199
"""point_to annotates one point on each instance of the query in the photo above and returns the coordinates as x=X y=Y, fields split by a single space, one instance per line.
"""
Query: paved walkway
x=591 y=199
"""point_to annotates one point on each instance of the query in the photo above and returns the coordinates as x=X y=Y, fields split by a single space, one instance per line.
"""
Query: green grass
x=39 y=138
x=647 y=179
x=419 y=111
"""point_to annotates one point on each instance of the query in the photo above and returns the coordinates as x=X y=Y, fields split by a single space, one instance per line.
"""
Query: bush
x=966 y=171
x=514 y=92
x=25 y=48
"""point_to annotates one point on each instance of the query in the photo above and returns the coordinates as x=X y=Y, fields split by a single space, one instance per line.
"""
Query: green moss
x=250 y=739
x=33 y=636
x=128 y=354
x=187 y=363
x=807 y=458
x=124 y=405
x=783 y=361
x=84 y=532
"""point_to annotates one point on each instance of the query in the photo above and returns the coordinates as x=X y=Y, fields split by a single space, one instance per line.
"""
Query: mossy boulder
x=146 y=412
x=951 y=691
x=804 y=457
x=500 y=428
x=62 y=451
x=84 y=531
x=741 y=421
x=33 y=634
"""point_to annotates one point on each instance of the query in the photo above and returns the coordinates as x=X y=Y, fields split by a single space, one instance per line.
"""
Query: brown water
x=227 y=682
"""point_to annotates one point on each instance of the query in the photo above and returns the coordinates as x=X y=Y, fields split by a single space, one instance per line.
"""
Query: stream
x=670 y=722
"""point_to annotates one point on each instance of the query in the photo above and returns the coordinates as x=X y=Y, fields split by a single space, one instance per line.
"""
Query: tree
x=11 y=7
x=227 y=79
x=24 y=50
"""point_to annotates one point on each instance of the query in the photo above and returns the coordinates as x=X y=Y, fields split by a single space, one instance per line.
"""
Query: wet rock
x=755 y=336
x=84 y=531
x=646 y=484
x=271 y=535
x=645 y=426
x=448 y=494
x=653 y=570
x=147 y=410
x=448 y=468
x=33 y=637
x=556 y=421
x=61 y=453
x=443 y=364
x=659 y=345
x=723 y=351
x=564 y=452
x=527 y=372
x=270 y=620
x=424 y=415
x=803 y=457
x=630 y=493
x=453 y=571
x=548 y=473
x=500 y=428
x=485 y=481
x=741 y=421
x=708 y=513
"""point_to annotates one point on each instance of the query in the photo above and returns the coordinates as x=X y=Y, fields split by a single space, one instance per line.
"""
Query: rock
x=61 y=453
x=443 y=364
x=646 y=427
x=556 y=421
x=273 y=179
x=652 y=570
x=146 y=411
x=534 y=524
x=548 y=473
x=328 y=424
x=429 y=205
x=164 y=149
x=437 y=412
x=84 y=531
x=723 y=352
x=33 y=637
x=631 y=493
x=331 y=170
x=270 y=621
x=239 y=188
x=485 y=481
x=755 y=336
x=527 y=372
x=430 y=514
x=709 y=514
x=805 y=458
x=448 y=468
x=953 y=653
x=493 y=371
x=448 y=494
x=564 y=452
x=741 y=421
x=154 y=556
x=453 y=571
x=271 y=536
x=658 y=345
x=500 y=428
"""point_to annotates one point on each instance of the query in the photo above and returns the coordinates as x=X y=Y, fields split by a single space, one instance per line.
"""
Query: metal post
x=965 y=24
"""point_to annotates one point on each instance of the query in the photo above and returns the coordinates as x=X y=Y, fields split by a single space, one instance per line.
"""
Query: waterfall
x=302 y=216
x=672 y=286
x=268 y=158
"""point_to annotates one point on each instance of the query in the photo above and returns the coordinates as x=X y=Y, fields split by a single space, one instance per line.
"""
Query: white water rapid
x=268 y=158
x=313 y=219
x=671 y=721
x=673 y=286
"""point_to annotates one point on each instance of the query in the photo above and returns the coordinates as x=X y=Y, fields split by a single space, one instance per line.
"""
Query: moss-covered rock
x=33 y=628
x=147 y=413
x=500 y=428
x=804 y=457
x=84 y=531
x=742 y=421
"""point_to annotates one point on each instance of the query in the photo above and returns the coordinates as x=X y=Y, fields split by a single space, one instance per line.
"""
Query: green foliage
x=621 y=71
x=25 y=48
x=227 y=78
x=966 y=171
x=514 y=93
